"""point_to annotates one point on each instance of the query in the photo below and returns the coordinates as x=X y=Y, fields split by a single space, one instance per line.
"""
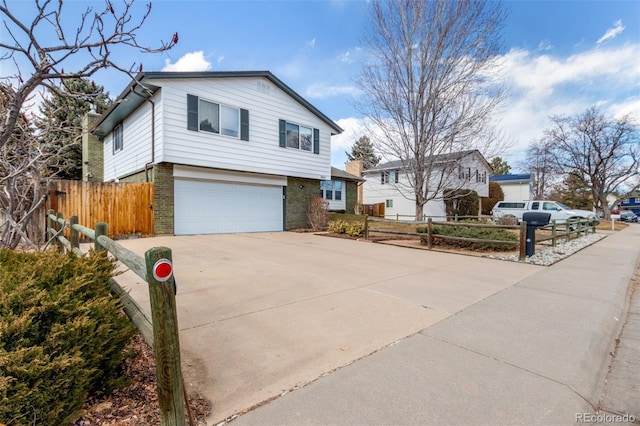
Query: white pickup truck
x=559 y=212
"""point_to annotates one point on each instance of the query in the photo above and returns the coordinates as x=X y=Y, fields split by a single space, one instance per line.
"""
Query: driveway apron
x=262 y=314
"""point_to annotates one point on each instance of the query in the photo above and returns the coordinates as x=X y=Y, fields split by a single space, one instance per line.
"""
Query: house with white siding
x=227 y=151
x=389 y=183
x=515 y=187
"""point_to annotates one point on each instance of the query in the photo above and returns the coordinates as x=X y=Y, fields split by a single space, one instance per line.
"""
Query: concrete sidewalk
x=535 y=353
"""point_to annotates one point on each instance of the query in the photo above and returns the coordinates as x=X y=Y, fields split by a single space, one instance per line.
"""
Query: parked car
x=559 y=212
x=628 y=216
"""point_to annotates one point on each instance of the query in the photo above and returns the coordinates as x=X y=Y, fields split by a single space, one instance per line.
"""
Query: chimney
x=355 y=168
x=92 y=150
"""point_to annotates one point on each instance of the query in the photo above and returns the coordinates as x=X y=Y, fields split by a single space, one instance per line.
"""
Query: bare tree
x=430 y=88
x=21 y=192
x=42 y=48
x=38 y=50
x=541 y=162
x=604 y=153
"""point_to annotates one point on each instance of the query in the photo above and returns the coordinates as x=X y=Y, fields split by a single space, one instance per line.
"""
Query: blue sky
x=561 y=56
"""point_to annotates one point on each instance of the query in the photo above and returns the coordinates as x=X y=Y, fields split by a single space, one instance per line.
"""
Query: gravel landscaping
x=546 y=256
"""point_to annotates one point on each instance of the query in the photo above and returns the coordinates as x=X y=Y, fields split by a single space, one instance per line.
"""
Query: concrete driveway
x=262 y=314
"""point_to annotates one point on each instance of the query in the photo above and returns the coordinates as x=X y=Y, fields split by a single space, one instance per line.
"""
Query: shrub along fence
x=161 y=332
x=427 y=234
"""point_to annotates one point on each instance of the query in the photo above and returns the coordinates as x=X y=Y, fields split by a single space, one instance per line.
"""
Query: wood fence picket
x=126 y=207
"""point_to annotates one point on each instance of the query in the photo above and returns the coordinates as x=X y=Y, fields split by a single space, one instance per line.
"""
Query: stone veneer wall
x=297 y=200
x=163 y=194
x=92 y=151
x=352 y=196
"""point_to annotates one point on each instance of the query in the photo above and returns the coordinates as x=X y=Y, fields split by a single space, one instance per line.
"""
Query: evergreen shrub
x=62 y=335
x=478 y=233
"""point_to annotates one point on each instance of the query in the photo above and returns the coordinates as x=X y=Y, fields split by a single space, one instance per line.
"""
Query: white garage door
x=207 y=207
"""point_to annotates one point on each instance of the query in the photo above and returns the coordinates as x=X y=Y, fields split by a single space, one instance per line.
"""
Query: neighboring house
x=388 y=183
x=227 y=151
x=631 y=202
x=515 y=187
x=612 y=201
x=341 y=191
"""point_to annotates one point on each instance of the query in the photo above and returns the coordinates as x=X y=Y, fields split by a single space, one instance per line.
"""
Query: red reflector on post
x=162 y=270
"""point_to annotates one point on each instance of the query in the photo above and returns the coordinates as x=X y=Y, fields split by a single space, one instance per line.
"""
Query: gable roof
x=439 y=158
x=135 y=95
x=337 y=173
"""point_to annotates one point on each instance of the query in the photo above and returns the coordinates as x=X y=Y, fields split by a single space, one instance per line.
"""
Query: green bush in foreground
x=354 y=229
x=61 y=335
x=479 y=233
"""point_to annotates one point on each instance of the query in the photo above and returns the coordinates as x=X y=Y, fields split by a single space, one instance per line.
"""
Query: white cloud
x=612 y=32
x=630 y=107
x=353 y=128
x=310 y=44
x=193 y=61
x=345 y=57
x=543 y=85
x=220 y=59
x=323 y=91
x=545 y=45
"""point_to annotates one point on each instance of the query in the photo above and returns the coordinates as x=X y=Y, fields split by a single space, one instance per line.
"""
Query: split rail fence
x=161 y=331
x=562 y=231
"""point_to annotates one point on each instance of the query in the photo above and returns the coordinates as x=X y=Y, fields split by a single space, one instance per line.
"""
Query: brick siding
x=298 y=199
x=163 y=205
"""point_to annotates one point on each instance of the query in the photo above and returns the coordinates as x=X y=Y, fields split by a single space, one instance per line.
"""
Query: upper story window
x=391 y=176
x=206 y=116
x=300 y=137
x=217 y=118
x=331 y=189
x=118 y=143
x=481 y=177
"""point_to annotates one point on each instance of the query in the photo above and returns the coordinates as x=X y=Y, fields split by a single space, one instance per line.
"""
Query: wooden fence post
x=165 y=337
x=50 y=224
x=101 y=228
x=74 y=237
x=567 y=230
x=59 y=227
x=366 y=227
x=429 y=233
x=523 y=240
x=554 y=233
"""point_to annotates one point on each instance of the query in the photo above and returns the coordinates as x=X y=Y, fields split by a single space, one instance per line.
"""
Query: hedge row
x=479 y=233
x=62 y=335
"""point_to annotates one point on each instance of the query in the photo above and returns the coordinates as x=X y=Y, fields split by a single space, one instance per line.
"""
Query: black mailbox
x=534 y=220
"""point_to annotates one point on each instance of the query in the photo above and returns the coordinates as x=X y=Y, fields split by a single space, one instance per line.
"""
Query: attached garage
x=228 y=202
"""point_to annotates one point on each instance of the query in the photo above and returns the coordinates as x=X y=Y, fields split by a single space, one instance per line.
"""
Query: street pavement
x=295 y=329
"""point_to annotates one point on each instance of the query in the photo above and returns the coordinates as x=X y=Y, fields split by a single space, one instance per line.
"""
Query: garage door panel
x=209 y=207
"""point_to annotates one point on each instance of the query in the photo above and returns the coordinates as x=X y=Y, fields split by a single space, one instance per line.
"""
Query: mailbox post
x=534 y=220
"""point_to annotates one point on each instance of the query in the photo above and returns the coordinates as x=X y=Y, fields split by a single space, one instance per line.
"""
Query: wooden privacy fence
x=161 y=331
x=376 y=210
x=126 y=207
x=557 y=231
